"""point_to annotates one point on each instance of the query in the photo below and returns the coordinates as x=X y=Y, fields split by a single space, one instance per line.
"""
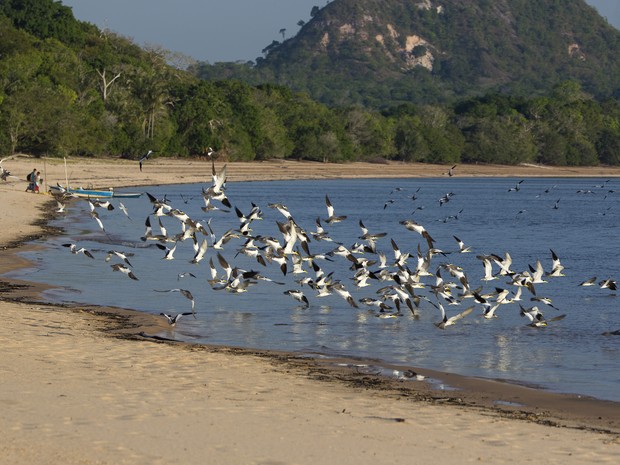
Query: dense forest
x=69 y=88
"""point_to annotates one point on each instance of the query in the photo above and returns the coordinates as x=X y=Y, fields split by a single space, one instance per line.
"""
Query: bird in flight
x=145 y=157
x=172 y=319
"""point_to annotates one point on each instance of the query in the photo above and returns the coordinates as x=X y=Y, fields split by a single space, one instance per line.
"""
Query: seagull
x=445 y=321
x=446 y=198
x=415 y=227
x=536 y=318
x=184 y=292
x=123 y=269
x=123 y=208
x=145 y=157
x=517 y=187
x=608 y=284
x=462 y=247
x=342 y=292
x=172 y=319
x=298 y=296
x=200 y=253
x=185 y=274
x=588 y=282
x=331 y=218
x=73 y=248
x=121 y=255
x=556 y=267
x=95 y=215
x=169 y=255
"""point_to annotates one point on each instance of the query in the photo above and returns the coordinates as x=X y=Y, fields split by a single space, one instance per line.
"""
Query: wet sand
x=84 y=385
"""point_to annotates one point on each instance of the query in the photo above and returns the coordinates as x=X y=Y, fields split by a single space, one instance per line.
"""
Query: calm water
x=569 y=355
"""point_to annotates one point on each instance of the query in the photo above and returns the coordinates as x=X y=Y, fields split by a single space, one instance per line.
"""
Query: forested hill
x=69 y=88
x=381 y=53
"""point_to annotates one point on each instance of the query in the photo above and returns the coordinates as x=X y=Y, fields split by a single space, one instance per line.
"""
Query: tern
x=123 y=269
x=556 y=267
x=121 y=255
x=445 y=321
x=298 y=296
x=462 y=247
x=415 y=227
x=145 y=157
x=173 y=319
x=536 y=318
x=73 y=248
x=184 y=292
x=331 y=218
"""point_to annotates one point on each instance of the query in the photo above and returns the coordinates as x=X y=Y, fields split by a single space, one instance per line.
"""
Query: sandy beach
x=81 y=385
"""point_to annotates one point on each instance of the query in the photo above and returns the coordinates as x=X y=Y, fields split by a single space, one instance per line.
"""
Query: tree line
x=75 y=90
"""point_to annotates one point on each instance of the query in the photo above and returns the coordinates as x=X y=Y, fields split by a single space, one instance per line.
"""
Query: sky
x=219 y=30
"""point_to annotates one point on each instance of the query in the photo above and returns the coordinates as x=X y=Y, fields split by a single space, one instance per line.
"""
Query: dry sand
x=79 y=385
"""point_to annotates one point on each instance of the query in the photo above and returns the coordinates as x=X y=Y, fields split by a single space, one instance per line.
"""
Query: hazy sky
x=219 y=30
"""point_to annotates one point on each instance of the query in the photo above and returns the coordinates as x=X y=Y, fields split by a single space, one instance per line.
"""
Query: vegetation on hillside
x=68 y=88
x=381 y=53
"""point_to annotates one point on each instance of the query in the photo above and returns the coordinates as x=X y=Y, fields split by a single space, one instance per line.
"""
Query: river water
x=579 y=219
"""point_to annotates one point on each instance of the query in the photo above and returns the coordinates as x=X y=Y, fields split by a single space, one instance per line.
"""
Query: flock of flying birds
x=406 y=282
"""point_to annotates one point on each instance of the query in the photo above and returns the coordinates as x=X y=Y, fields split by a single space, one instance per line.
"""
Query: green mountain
x=381 y=53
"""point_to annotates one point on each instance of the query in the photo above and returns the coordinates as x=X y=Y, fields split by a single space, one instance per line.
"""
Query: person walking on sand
x=31 y=178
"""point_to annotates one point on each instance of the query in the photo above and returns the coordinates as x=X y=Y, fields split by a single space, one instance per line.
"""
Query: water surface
x=578 y=218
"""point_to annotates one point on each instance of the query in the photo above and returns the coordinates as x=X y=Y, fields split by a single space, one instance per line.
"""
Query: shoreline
x=493 y=400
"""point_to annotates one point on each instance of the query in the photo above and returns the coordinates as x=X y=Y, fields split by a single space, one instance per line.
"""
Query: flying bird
x=173 y=319
x=145 y=157
x=123 y=269
x=298 y=296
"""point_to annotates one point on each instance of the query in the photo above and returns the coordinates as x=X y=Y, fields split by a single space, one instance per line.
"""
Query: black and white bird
x=145 y=157
x=123 y=269
x=184 y=292
x=173 y=319
x=298 y=296
x=74 y=250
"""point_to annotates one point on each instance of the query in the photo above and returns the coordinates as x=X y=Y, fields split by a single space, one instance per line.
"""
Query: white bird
x=331 y=217
x=200 y=253
x=415 y=227
x=536 y=318
x=298 y=296
x=74 y=250
x=462 y=247
x=145 y=157
x=123 y=269
x=121 y=255
x=445 y=321
x=123 y=208
x=556 y=267
x=169 y=255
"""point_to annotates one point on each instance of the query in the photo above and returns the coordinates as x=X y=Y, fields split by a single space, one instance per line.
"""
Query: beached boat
x=92 y=193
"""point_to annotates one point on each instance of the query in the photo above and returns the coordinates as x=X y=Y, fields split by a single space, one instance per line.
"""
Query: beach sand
x=81 y=386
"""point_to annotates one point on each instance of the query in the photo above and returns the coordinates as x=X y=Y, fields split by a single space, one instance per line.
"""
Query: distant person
x=37 y=181
x=31 y=178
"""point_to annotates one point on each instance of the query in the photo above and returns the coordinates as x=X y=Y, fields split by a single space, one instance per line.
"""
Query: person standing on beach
x=37 y=181
x=31 y=178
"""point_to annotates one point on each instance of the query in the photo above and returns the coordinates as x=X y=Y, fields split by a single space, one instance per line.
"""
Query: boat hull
x=94 y=193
